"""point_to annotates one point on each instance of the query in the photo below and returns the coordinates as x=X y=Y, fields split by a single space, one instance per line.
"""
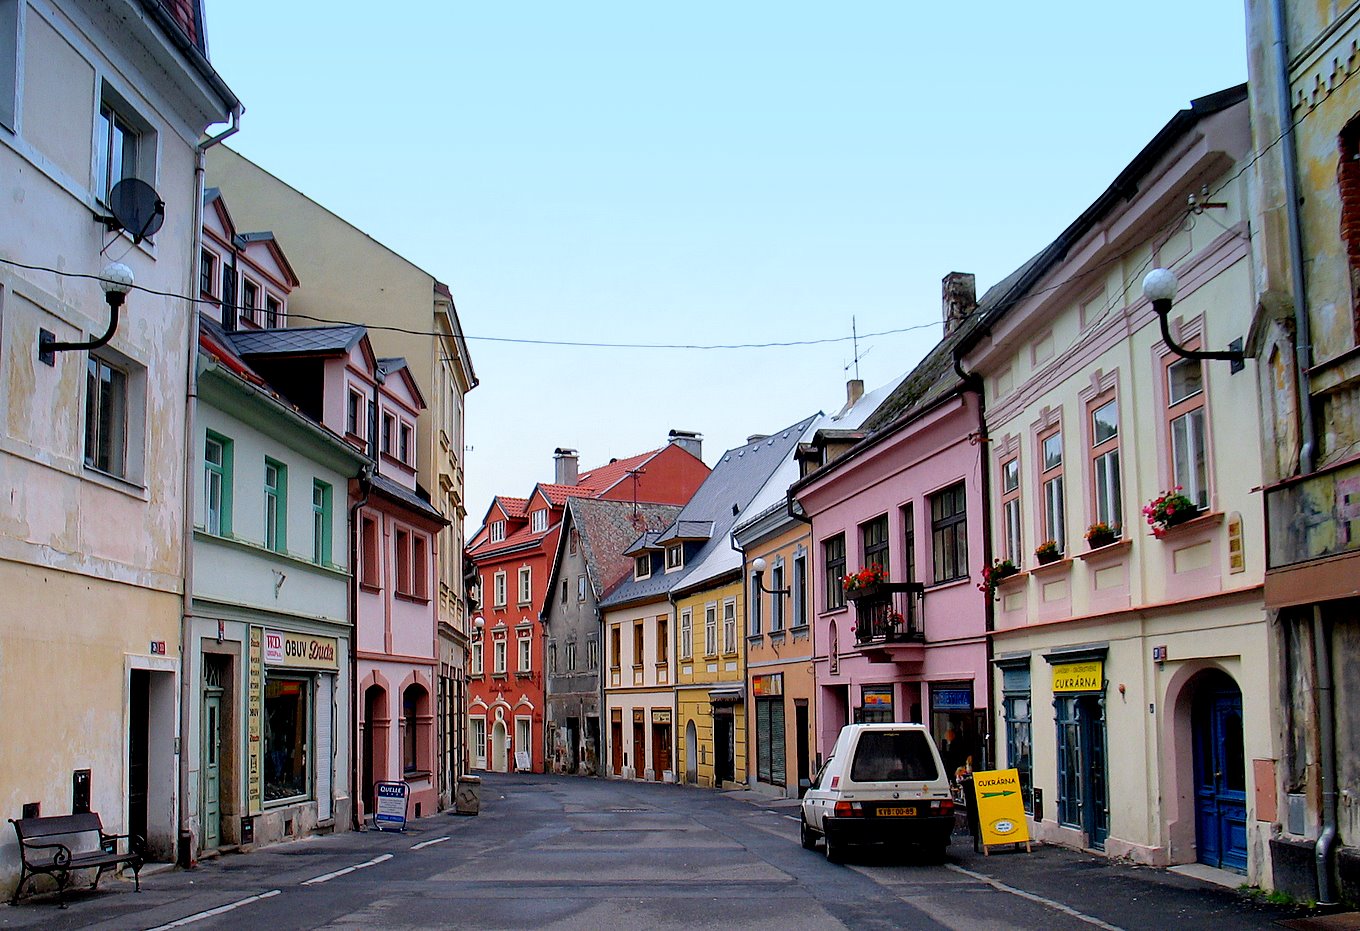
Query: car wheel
x=806 y=835
x=835 y=852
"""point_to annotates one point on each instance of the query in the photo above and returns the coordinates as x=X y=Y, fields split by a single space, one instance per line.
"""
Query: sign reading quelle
x=1079 y=677
x=299 y=651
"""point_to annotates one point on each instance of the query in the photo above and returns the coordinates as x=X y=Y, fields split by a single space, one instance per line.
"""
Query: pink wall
x=905 y=468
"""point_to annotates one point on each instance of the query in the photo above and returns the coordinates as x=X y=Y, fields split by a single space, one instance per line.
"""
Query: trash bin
x=468 y=800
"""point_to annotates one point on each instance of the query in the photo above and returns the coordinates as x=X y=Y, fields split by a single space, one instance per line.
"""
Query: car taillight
x=942 y=805
x=849 y=810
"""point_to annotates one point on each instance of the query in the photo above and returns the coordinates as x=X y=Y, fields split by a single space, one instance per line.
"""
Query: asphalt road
x=551 y=852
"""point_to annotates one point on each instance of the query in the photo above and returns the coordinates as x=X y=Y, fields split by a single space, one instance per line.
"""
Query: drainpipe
x=185 y=837
x=1303 y=340
x=365 y=482
x=972 y=382
x=1322 y=662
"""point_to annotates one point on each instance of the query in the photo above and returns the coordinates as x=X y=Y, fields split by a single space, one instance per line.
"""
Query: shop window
x=949 y=533
x=287 y=736
x=833 y=567
x=770 y=741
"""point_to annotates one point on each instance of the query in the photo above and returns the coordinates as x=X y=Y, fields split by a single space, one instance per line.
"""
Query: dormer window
x=538 y=520
x=642 y=566
x=675 y=556
x=497 y=531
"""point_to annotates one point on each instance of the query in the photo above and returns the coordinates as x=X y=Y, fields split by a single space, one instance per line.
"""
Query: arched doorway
x=691 y=754
x=374 y=743
x=499 y=750
x=1220 y=773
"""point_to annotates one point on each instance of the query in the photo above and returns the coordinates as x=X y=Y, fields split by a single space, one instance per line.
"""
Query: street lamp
x=116 y=280
x=760 y=565
x=1159 y=287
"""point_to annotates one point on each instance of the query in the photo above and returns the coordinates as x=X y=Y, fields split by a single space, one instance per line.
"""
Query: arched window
x=416 y=722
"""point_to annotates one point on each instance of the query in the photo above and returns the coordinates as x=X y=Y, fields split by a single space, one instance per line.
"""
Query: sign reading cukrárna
x=1079 y=677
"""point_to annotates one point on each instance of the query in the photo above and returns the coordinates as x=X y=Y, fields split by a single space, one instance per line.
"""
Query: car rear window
x=893 y=756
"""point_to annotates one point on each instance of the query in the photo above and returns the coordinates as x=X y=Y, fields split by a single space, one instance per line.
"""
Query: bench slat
x=58 y=824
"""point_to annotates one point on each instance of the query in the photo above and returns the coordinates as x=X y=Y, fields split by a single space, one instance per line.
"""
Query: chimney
x=689 y=441
x=565 y=465
x=854 y=390
x=959 y=290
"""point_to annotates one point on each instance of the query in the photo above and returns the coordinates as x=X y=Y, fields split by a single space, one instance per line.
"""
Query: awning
x=729 y=696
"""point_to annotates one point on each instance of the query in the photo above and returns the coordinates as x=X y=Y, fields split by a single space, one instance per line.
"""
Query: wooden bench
x=59 y=845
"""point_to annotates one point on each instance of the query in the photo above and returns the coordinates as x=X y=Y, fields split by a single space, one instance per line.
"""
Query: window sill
x=830 y=611
x=416 y=774
x=777 y=636
x=937 y=586
x=414 y=599
x=800 y=631
x=1204 y=522
x=369 y=587
x=1109 y=551
x=1056 y=567
x=755 y=638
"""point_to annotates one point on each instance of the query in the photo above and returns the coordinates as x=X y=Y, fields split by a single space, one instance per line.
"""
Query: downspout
x=1303 y=340
x=797 y=513
x=1308 y=452
x=972 y=382
x=186 y=838
x=364 y=479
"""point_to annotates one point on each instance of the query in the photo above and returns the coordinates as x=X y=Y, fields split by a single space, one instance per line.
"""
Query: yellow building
x=710 y=693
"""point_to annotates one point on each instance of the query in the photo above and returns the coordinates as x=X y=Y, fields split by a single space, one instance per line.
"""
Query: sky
x=703 y=174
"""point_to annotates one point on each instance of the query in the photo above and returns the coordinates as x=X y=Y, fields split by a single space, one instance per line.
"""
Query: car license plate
x=897 y=812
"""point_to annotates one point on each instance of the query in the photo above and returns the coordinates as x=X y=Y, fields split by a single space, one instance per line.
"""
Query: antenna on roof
x=854 y=341
x=635 y=473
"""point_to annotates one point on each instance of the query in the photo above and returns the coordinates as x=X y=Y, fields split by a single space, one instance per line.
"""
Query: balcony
x=890 y=622
x=1313 y=535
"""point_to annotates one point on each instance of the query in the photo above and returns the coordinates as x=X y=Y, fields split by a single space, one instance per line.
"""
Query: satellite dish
x=136 y=208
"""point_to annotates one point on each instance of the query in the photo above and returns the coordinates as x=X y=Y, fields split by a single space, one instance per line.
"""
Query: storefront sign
x=768 y=686
x=877 y=697
x=1079 y=677
x=661 y=717
x=952 y=699
x=1001 y=807
x=299 y=651
x=390 y=814
x=254 y=710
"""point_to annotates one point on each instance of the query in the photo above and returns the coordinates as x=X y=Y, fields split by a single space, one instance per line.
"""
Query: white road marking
x=221 y=909
x=793 y=817
x=430 y=843
x=327 y=877
x=1058 y=906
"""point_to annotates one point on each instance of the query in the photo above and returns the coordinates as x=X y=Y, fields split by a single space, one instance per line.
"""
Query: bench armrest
x=135 y=843
x=62 y=857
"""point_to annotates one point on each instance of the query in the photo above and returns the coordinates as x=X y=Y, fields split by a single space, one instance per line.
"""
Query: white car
x=884 y=783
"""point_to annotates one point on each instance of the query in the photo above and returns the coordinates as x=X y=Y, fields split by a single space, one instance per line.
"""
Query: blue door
x=1220 y=776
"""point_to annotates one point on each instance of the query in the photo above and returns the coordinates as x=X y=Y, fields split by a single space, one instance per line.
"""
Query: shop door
x=800 y=723
x=1082 y=801
x=616 y=746
x=724 y=750
x=1220 y=776
x=139 y=723
x=691 y=754
x=500 y=752
x=639 y=749
x=212 y=769
x=661 y=750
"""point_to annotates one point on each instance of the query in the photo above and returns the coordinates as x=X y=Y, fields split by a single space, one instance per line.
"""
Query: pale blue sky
x=703 y=173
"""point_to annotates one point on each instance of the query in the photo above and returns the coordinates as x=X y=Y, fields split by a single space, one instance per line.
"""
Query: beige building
x=92 y=438
x=390 y=291
x=1134 y=668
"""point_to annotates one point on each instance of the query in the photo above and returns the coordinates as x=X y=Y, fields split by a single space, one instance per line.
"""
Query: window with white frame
x=800 y=593
x=273 y=311
x=477 y=738
x=477 y=658
x=496 y=531
x=538 y=520
x=675 y=556
x=522 y=741
x=642 y=567
x=711 y=630
x=730 y=625
x=217 y=481
x=404 y=442
x=949 y=533
x=592 y=653
x=275 y=506
x=498 y=589
x=498 y=657
x=354 y=424
x=388 y=425
x=1010 y=510
x=686 y=634
x=1051 y=485
x=571 y=655
x=753 y=616
x=526 y=584
x=833 y=567
x=112 y=414
x=124 y=145
x=777 y=600
x=1107 y=500
x=525 y=642
x=321 y=522
x=580 y=588
x=1185 y=423
x=250 y=298
x=207 y=272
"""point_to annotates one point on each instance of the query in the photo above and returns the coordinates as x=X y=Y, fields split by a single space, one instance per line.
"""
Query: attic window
x=497 y=531
x=642 y=566
x=538 y=520
x=675 y=556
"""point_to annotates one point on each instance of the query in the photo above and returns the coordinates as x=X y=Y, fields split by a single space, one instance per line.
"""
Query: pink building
x=334 y=376
x=906 y=495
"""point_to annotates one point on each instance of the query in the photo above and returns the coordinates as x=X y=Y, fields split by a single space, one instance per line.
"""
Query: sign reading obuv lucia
x=1001 y=807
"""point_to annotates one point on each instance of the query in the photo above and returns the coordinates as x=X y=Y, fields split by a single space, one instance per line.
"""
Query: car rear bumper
x=932 y=830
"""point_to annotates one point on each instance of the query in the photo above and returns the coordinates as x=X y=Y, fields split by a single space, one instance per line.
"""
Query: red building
x=512 y=553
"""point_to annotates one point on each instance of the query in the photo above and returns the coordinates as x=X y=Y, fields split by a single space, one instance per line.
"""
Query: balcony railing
x=890 y=612
x=1313 y=516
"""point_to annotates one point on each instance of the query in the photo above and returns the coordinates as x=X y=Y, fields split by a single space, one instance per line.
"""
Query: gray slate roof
x=323 y=340
x=604 y=529
x=687 y=530
x=384 y=485
x=735 y=480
